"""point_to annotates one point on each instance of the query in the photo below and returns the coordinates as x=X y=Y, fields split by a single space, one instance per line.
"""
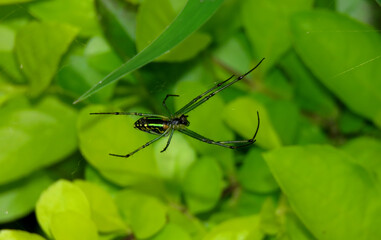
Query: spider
x=166 y=125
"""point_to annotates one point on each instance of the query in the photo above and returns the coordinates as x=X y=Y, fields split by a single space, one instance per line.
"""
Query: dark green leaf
x=254 y=175
x=194 y=14
x=117 y=18
x=77 y=76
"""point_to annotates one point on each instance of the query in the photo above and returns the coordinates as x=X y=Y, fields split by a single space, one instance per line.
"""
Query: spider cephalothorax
x=166 y=125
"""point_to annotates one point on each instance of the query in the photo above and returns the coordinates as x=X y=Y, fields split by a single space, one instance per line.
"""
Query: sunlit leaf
x=63 y=197
x=7 y=234
x=73 y=225
x=103 y=209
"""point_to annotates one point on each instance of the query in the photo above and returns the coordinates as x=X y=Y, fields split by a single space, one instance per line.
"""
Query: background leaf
x=346 y=65
x=28 y=133
x=39 y=48
x=329 y=171
x=19 y=198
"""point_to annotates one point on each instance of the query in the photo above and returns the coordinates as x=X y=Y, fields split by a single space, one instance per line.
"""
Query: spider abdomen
x=152 y=125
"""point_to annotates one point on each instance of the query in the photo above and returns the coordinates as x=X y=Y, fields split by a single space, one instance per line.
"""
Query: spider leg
x=206 y=98
x=140 y=148
x=129 y=113
x=165 y=105
x=227 y=144
x=169 y=140
x=179 y=112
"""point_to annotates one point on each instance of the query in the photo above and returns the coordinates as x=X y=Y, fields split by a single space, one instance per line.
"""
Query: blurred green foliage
x=313 y=173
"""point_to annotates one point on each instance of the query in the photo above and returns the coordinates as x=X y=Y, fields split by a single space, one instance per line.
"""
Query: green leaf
x=366 y=152
x=19 y=198
x=73 y=225
x=145 y=214
x=43 y=135
x=79 y=14
x=103 y=209
x=295 y=228
x=153 y=17
x=176 y=160
x=8 y=63
x=254 y=175
x=4 y=2
x=77 y=76
x=309 y=133
x=235 y=53
x=39 y=48
x=278 y=84
x=101 y=135
x=241 y=115
x=100 y=56
x=118 y=20
x=194 y=14
x=61 y=197
x=344 y=59
x=316 y=180
x=268 y=28
x=201 y=197
x=7 y=234
x=193 y=226
x=171 y=232
x=243 y=228
x=309 y=94
x=286 y=130
x=350 y=123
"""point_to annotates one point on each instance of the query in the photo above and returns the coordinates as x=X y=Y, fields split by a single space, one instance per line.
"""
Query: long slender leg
x=140 y=148
x=191 y=107
x=241 y=143
x=130 y=113
x=165 y=105
x=169 y=140
x=179 y=112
